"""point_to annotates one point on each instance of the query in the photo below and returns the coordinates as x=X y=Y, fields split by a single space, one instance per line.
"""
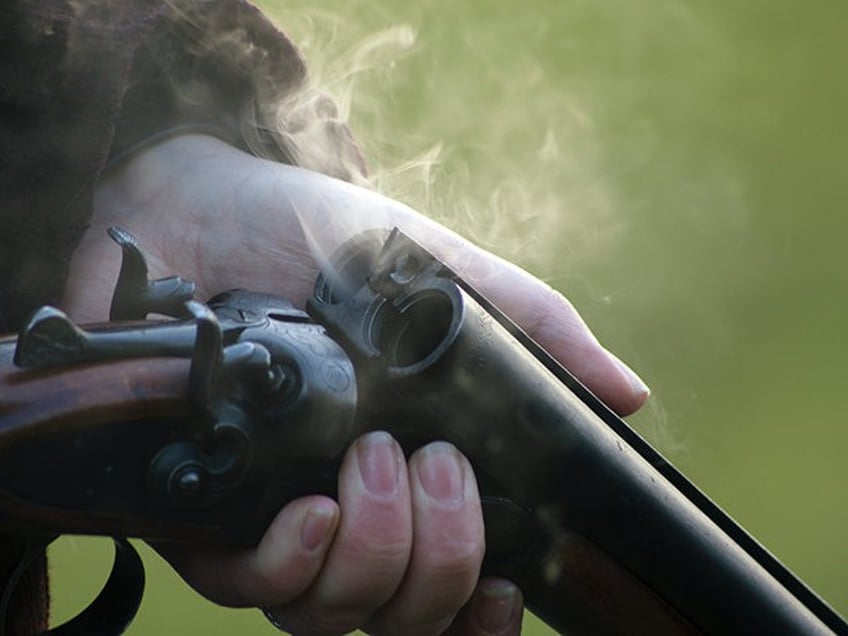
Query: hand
x=400 y=551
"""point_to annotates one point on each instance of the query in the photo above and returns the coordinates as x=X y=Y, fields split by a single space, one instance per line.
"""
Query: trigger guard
x=114 y=608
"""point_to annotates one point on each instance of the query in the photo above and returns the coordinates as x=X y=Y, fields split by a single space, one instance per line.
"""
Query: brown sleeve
x=82 y=84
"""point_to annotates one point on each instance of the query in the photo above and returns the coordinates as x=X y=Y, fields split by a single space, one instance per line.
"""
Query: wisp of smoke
x=531 y=144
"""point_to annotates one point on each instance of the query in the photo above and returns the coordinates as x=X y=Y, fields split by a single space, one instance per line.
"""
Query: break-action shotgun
x=201 y=426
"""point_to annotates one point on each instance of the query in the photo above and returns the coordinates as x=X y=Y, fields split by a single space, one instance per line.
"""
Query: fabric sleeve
x=83 y=84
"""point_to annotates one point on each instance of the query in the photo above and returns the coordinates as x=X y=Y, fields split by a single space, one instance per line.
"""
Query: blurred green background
x=676 y=169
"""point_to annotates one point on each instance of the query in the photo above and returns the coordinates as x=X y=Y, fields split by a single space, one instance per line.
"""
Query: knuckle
x=262 y=586
x=380 y=550
x=273 y=583
x=459 y=556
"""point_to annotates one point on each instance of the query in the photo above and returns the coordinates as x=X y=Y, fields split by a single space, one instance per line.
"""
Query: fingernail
x=495 y=605
x=441 y=473
x=379 y=463
x=318 y=525
x=637 y=384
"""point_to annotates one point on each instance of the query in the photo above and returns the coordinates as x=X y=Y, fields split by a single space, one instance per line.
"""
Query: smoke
x=564 y=138
x=506 y=156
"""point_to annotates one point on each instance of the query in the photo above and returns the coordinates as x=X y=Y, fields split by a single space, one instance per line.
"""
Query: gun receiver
x=202 y=428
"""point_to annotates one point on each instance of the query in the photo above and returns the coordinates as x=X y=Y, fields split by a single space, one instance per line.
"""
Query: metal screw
x=187 y=482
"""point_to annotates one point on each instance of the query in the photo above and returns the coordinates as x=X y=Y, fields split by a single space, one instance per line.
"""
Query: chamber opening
x=408 y=333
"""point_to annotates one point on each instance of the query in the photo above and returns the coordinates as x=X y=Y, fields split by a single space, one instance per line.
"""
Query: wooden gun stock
x=602 y=596
x=37 y=407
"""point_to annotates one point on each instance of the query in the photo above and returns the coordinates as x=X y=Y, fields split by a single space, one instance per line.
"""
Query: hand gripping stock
x=201 y=427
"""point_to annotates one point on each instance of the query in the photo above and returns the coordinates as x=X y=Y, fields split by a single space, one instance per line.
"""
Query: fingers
x=550 y=319
x=403 y=558
x=494 y=610
x=375 y=575
x=448 y=547
x=283 y=566
x=368 y=559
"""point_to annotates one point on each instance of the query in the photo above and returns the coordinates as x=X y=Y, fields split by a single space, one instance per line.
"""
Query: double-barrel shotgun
x=200 y=424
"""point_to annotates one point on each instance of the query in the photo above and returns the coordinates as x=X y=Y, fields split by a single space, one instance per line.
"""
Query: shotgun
x=202 y=425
